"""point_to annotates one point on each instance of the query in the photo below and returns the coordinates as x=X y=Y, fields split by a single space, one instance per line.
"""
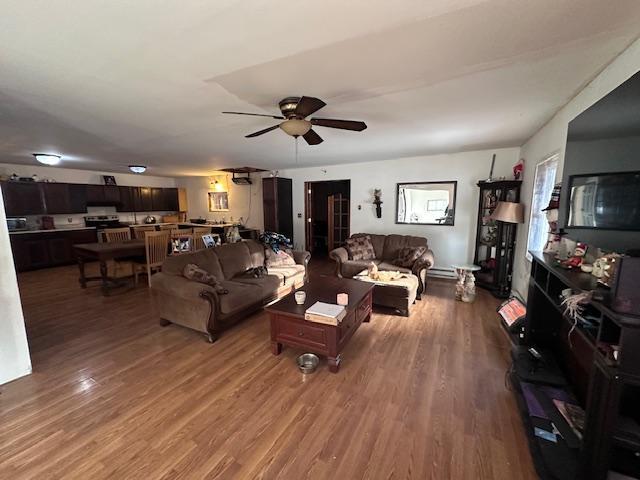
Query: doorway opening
x=327 y=215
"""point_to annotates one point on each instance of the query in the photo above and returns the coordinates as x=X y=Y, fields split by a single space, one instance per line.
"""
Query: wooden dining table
x=102 y=252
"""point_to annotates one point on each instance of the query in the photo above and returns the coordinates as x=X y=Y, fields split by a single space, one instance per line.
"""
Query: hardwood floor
x=114 y=395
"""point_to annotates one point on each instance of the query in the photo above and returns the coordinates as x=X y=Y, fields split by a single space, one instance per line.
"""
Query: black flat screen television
x=609 y=201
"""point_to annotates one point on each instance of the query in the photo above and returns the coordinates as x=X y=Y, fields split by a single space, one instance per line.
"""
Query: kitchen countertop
x=188 y=224
x=52 y=230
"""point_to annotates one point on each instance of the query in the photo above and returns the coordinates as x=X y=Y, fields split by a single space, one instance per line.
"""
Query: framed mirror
x=426 y=203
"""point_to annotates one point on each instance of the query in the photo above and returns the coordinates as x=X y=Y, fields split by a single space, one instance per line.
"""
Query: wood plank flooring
x=114 y=395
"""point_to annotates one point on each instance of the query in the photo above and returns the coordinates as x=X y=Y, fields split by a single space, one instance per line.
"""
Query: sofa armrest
x=420 y=268
x=185 y=302
x=339 y=254
x=302 y=257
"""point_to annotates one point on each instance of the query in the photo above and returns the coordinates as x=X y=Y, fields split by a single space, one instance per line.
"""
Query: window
x=542 y=188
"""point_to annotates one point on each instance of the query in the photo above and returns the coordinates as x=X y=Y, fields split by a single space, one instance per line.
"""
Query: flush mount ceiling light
x=47 y=159
x=137 y=168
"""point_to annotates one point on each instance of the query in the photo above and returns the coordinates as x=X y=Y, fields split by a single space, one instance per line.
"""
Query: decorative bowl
x=308 y=362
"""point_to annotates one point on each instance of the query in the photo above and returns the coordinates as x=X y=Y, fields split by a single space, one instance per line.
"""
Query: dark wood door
x=22 y=198
x=126 y=199
x=278 y=205
x=142 y=199
x=338 y=219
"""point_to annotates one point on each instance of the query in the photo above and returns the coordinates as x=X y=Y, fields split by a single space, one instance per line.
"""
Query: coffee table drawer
x=364 y=308
x=302 y=333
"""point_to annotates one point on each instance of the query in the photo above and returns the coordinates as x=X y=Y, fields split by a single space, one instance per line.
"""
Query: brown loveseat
x=198 y=306
x=386 y=249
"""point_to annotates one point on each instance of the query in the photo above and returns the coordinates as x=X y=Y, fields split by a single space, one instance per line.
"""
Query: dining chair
x=138 y=232
x=198 y=232
x=170 y=226
x=156 y=250
x=117 y=234
x=119 y=268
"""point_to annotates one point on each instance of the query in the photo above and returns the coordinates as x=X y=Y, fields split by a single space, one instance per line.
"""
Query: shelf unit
x=607 y=386
x=495 y=242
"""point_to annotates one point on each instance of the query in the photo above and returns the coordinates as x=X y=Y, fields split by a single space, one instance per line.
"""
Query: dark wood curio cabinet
x=495 y=241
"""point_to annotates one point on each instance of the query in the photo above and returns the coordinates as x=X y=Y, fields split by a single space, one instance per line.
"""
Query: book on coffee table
x=327 y=313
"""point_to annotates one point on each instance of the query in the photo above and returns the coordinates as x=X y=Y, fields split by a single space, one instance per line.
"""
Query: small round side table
x=466 y=284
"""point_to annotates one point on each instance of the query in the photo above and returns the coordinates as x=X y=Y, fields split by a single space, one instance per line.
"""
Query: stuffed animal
x=578 y=256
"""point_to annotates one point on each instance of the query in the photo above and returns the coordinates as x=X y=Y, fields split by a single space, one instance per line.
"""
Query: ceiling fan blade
x=341 y=124
x=260 y=132
x=256 y=115
x=312 y=138
x=308 y=105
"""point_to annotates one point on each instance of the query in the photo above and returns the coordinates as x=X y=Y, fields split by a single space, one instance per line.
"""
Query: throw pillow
x=360 y=248
x=193 y=272
x=284 y=258
x=407 y=256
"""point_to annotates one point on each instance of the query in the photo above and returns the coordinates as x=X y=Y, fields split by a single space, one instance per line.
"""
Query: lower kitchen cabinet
x=32 y=251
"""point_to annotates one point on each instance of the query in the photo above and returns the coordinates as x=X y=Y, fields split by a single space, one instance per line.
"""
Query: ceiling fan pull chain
x=297 y=150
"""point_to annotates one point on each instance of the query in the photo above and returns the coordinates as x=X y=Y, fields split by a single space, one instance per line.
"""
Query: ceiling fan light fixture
x=295 y=127
x=47 y=158
x=137 y=168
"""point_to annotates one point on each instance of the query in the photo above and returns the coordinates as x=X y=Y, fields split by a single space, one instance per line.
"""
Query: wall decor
x=426 y=203
x=109 y=180
x=377 y=194
x=218 y=201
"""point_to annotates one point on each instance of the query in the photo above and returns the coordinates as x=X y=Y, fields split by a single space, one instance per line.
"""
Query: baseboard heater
x=442 y=273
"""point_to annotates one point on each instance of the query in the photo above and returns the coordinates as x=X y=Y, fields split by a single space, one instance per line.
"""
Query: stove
x=103 y=221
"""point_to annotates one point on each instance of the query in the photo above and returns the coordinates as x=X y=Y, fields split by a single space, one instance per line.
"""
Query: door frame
x=308 y=224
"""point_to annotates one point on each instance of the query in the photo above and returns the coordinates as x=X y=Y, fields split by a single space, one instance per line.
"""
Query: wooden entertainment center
x=607 y=386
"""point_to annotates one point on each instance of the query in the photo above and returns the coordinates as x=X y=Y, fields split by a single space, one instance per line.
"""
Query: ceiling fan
x=295 y=110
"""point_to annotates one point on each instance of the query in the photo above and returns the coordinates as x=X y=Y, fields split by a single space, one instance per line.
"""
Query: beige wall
x=244 y=200
x=14 y=350
x=552 y=138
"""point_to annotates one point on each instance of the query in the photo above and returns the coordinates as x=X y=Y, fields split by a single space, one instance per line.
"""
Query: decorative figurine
x=578 y=256
x=518 y=169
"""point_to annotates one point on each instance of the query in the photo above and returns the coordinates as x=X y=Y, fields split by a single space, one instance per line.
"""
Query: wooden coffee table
x=288 y=326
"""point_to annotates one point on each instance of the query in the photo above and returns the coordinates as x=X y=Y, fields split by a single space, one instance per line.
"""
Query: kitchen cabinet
x=22 y=198
x=36 y=250
x=95 y=194
x=171 y=199
x=142 y=199
x=158 y=201
x=126 y=200
x=61 y=198
x=111 y=195
x=77 y=198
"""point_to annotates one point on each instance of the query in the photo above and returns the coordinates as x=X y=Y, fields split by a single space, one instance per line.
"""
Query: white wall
x=70 y=175
x=244 y=200
x=552 y=139
x=14 y=351
x=450 y=244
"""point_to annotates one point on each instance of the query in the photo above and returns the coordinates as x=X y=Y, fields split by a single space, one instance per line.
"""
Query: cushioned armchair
x=201 y=307
x=386 y=250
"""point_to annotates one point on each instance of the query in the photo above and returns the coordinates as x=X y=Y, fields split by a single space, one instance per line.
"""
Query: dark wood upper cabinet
x=56 y=198
x=22 y=198
x=111 y=194
x=126 y=199
x=171 y=199
x=77 y=197
x=158 y=202
x=142 y=199
x=95 y=194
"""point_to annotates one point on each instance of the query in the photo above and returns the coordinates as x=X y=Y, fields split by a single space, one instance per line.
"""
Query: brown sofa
x=198 y=306
x=386 y=249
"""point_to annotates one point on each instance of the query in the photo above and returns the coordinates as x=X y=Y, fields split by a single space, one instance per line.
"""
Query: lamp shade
x=295 y=127
x=508 y=212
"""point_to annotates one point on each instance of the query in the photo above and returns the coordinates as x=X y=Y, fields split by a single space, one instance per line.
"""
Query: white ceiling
x=107 y=84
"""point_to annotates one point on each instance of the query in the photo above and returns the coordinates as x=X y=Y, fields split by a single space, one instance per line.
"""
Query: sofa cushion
x=234 y=258
x=360 y=248
x=256 y=250
x=286 y=272
x=241 y=295
x=283 y=258
x=205 y=259
x=195 y=273
x=407 y=256
x=393 y=243
x=376 y=240
x=268 y=284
